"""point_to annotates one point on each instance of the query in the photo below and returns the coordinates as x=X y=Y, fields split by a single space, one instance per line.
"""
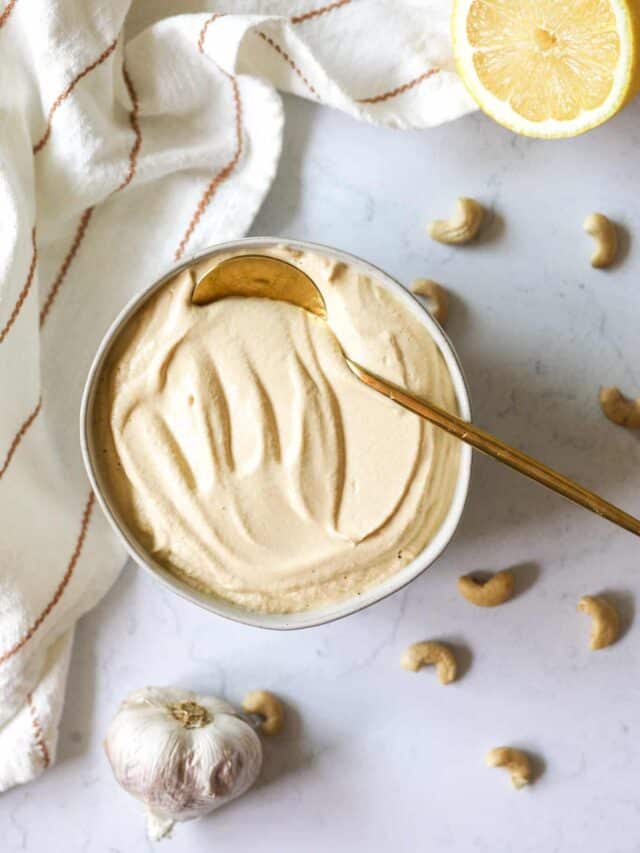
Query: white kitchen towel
x=122 y=150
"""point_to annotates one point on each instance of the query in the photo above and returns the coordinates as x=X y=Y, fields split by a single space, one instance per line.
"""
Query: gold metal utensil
x=272 y=278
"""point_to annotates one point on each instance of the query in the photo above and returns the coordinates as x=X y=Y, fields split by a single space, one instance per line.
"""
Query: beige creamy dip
x=241 y=451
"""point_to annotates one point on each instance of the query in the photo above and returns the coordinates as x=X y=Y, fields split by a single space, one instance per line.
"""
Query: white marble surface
x=374 y=758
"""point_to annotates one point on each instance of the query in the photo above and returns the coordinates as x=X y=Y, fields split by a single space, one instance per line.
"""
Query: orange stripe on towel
x=57 y=595
x=62 y=97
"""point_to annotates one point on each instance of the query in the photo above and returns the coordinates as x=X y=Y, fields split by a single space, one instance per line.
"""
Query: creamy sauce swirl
x=241 y=451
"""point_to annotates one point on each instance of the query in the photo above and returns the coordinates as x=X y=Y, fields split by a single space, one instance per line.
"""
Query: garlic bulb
x=182 y=754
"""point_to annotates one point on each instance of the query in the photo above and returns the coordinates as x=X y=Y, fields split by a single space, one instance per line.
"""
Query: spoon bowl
x=262 y=276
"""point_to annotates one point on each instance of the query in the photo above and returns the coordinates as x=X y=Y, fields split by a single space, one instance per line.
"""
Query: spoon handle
x=492 y=446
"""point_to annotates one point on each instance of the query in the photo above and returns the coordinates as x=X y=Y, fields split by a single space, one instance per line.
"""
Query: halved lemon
x=549 y=68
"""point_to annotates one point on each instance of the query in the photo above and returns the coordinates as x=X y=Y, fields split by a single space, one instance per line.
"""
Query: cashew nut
x=516 y=762
x=421 y=654
x=437 y=296
x=606 y=238
x=620 y=409
x=605 y=626
x=268 y=706
x=463 y=225
x=490 y=593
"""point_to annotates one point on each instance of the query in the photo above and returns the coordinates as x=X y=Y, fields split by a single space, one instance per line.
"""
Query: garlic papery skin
x=182 y=754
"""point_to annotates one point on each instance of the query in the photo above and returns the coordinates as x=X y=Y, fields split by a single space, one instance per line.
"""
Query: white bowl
x=282 y=621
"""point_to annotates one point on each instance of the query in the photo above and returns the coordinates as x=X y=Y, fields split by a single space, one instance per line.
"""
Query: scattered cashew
x=515 y=761
x=605 y=626
x=266 y=705
x=437 y=296
x=490 y=593
x=605 y=235
x=421 y=654
x=463 y=225
x=620 y=409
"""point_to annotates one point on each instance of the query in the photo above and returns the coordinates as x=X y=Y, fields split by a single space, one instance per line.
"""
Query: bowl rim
x=228 y=610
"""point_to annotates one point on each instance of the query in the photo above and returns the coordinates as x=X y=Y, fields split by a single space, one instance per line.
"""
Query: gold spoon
x=272 y=278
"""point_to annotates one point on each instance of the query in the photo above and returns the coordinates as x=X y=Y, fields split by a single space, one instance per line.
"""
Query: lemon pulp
x=546 y=60
x=560 y=66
